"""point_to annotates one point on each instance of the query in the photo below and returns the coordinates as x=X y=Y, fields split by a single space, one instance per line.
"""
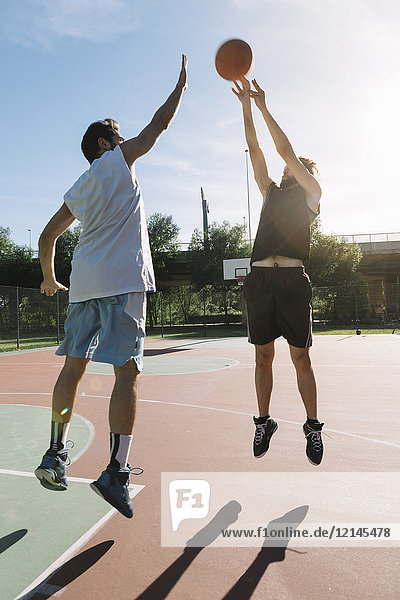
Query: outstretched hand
x=258 y=95
x=182 y=81
x=243 y=93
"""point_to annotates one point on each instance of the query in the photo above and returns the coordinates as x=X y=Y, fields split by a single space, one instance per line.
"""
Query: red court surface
x=197 y=421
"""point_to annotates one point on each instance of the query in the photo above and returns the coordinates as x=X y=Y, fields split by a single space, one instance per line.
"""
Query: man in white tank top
x=111 y=272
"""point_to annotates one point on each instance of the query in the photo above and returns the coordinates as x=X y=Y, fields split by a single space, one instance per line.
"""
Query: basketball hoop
x=240 y=279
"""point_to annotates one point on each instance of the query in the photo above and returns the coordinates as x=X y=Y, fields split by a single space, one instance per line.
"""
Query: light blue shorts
x=108 y=330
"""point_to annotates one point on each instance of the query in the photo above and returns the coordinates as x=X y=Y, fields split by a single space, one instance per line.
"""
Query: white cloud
x=42 y=22
x=172 y=164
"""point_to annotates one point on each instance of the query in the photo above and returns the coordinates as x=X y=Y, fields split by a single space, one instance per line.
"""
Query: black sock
x=312 y=422
x=119 y=449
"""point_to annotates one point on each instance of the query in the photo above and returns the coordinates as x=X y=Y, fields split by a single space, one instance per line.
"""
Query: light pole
x=246 y=152
x=30 y=240
x=206 y=210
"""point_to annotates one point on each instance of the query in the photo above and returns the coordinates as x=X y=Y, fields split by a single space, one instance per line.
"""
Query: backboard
x=236 y=268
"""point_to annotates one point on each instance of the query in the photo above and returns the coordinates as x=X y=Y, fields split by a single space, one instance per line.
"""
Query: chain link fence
x=28 y=318
x=25 y=314
x=375 y=305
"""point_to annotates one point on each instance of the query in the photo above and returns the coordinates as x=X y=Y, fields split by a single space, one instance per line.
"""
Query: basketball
x=233 y=59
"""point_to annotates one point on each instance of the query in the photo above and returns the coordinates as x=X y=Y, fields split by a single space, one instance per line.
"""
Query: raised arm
x=257 y=158
x=47 y=249
x=146 y=139
x=285 y=150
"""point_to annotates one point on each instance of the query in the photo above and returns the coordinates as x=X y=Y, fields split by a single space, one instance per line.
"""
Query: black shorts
x=278 y=301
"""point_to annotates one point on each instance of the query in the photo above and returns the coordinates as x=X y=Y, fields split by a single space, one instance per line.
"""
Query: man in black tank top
x=277 y=290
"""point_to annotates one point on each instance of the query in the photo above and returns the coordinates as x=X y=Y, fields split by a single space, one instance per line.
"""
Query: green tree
x=64 y=252
x=223 y=242
x=6 y=244
x=17 y=266
x=163 y=237
x=340 y=295
x=333 y=261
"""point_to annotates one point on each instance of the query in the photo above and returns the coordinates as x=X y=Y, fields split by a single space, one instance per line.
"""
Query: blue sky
x=330 y=69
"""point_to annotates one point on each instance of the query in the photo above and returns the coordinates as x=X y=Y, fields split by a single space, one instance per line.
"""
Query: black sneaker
x=51 y=471
x=263 y=434
x=314 y=448
x=112 y=486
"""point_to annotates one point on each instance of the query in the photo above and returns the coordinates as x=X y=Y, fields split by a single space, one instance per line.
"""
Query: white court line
x=33 y=364
x=132 y=486
x=28 y=474
x=134 y=490
x=50 y=571
x=142 y=374
x=225 y=410
x=315 y=365
x=221 y=368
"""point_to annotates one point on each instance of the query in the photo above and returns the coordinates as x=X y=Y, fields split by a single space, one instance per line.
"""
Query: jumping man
x=277 y=290
x=111 y=272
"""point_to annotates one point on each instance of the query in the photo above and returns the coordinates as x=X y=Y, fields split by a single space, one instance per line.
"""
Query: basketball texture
x=233 y=59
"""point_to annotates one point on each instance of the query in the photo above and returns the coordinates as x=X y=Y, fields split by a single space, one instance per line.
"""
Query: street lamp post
x=248 y=191
x=30 y=240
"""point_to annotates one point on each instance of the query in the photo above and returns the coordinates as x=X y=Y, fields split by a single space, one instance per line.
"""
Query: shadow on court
x=68 y=572
x=246 y=585
x=12 y=538
x=177 y=348
x=161 y=351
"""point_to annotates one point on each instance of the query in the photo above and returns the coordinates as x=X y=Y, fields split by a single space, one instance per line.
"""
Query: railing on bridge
x=375 y=243
x=362 y=238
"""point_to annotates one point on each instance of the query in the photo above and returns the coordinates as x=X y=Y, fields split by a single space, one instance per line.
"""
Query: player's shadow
x=246 y=585
x=160 y=351
x=161 y=587
x=68 y=572
x=12 y=538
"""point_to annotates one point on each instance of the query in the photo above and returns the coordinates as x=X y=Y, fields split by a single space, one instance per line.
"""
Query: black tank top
x=284 y=227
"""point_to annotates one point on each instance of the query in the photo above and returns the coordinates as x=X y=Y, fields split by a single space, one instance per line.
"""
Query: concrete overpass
x=381 y=259
x=380 y=268
x=381 y=254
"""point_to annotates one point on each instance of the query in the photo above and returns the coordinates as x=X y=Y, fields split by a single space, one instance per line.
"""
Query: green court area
x=40 y=529
x=174 y=364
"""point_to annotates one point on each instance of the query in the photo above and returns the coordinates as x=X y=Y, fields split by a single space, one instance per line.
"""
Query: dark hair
x=309 y=164
x=89 y=145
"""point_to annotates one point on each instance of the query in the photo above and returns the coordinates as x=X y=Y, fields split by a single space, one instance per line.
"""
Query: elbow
x=284 y=148
x=46 y=240
x=44 y=237
x=285 y=151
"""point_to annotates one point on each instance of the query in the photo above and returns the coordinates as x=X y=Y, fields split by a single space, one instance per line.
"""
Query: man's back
x=113 y=254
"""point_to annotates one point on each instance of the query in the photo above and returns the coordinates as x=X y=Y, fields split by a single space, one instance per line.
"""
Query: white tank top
x=113 y=253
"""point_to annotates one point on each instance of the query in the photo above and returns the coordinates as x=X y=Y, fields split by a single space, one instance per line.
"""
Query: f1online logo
x=188 y=499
